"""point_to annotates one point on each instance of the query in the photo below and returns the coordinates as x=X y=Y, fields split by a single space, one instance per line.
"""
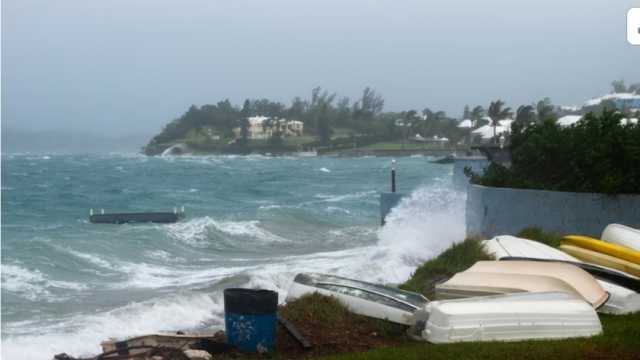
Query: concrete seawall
x=493 y=211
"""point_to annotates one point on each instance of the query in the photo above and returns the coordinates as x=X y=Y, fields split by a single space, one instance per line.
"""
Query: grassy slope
x=620 y=338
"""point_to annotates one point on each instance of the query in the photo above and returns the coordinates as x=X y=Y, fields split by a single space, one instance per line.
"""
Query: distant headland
x=326 y=123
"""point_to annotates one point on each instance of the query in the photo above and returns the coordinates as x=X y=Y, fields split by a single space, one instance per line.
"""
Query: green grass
x=619 y=340
x=537 y=234
x=298 y=140
x=457 y=258
x=341 y=133
x=327 y=312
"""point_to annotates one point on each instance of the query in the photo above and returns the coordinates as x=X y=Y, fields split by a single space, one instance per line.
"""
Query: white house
x=465 y=124
x=486 y=132
x=263 y=127
x=621 y=100
x=569 y=120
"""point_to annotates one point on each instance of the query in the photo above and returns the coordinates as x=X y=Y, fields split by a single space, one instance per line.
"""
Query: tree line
x=324 y=112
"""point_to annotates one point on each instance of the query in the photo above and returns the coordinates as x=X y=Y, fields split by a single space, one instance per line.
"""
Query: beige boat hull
x=580 y=280
x=471 y=284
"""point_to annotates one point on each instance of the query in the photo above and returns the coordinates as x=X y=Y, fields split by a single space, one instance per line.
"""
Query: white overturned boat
x=506 y=245
x=622 y=287
x=360 y=297
x=526 y=316
x=622 y=235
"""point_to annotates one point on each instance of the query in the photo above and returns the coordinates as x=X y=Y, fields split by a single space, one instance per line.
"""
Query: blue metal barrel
x=250 y=318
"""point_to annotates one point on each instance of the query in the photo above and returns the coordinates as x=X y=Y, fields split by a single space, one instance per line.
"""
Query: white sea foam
x=163 y=256
x=81 y=335
x=93 y=259
x=270 y=207
x=195 y=232
x=345 y=197
x=336 y=209
x=33 y=285
x=324 y=169
x=30 y=284
x=144 y=275
x=423 y=225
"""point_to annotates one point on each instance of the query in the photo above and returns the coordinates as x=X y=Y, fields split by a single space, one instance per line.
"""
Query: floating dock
x=136 y=217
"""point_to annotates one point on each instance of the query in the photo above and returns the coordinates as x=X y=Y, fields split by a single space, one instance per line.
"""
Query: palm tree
x=544 y=108
x=497 y=113
x=525 y=115
x=476 y=114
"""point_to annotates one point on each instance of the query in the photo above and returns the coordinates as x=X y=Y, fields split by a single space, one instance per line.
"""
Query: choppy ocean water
x=252 y=221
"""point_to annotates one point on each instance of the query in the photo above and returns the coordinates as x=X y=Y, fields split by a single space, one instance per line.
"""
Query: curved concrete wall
x=495 y=211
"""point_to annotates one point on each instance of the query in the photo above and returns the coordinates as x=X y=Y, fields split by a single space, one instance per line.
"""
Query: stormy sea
x=251 y=221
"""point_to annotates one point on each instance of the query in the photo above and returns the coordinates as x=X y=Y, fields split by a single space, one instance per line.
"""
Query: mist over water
x=252 y=221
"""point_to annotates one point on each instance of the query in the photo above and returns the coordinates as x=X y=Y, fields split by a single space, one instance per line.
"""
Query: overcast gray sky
x=125 y=66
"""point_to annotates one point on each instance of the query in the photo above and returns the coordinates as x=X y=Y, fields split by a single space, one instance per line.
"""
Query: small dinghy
x=360 y=297
x=505 y=245
x=473 y=284
x=603 y=247
x=621 y=299
x=598 y=258
x=609 y=275
x=581 y=281
x=622 y=235
x=527 y=316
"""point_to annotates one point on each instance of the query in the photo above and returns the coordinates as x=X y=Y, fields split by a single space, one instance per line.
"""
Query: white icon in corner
x=633 y=26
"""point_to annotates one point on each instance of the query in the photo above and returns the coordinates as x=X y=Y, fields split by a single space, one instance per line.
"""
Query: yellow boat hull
x=601 y=259
x=603 y=247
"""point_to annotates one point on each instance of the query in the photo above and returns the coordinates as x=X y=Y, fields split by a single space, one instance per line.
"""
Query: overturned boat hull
x=582 y=282
x=609 y=275
x=505 y=245
x=527 y=316
x=360 y=297
x=473 y=284
x=598 y=258
x=622 y=235
x=603 y=247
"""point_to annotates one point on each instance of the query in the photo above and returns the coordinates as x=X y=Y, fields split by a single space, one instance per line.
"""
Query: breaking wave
x=202 y=231
x=33 y=285
x=81 y=334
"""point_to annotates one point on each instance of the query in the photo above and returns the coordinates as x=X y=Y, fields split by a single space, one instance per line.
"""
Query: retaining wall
x=495 y=211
